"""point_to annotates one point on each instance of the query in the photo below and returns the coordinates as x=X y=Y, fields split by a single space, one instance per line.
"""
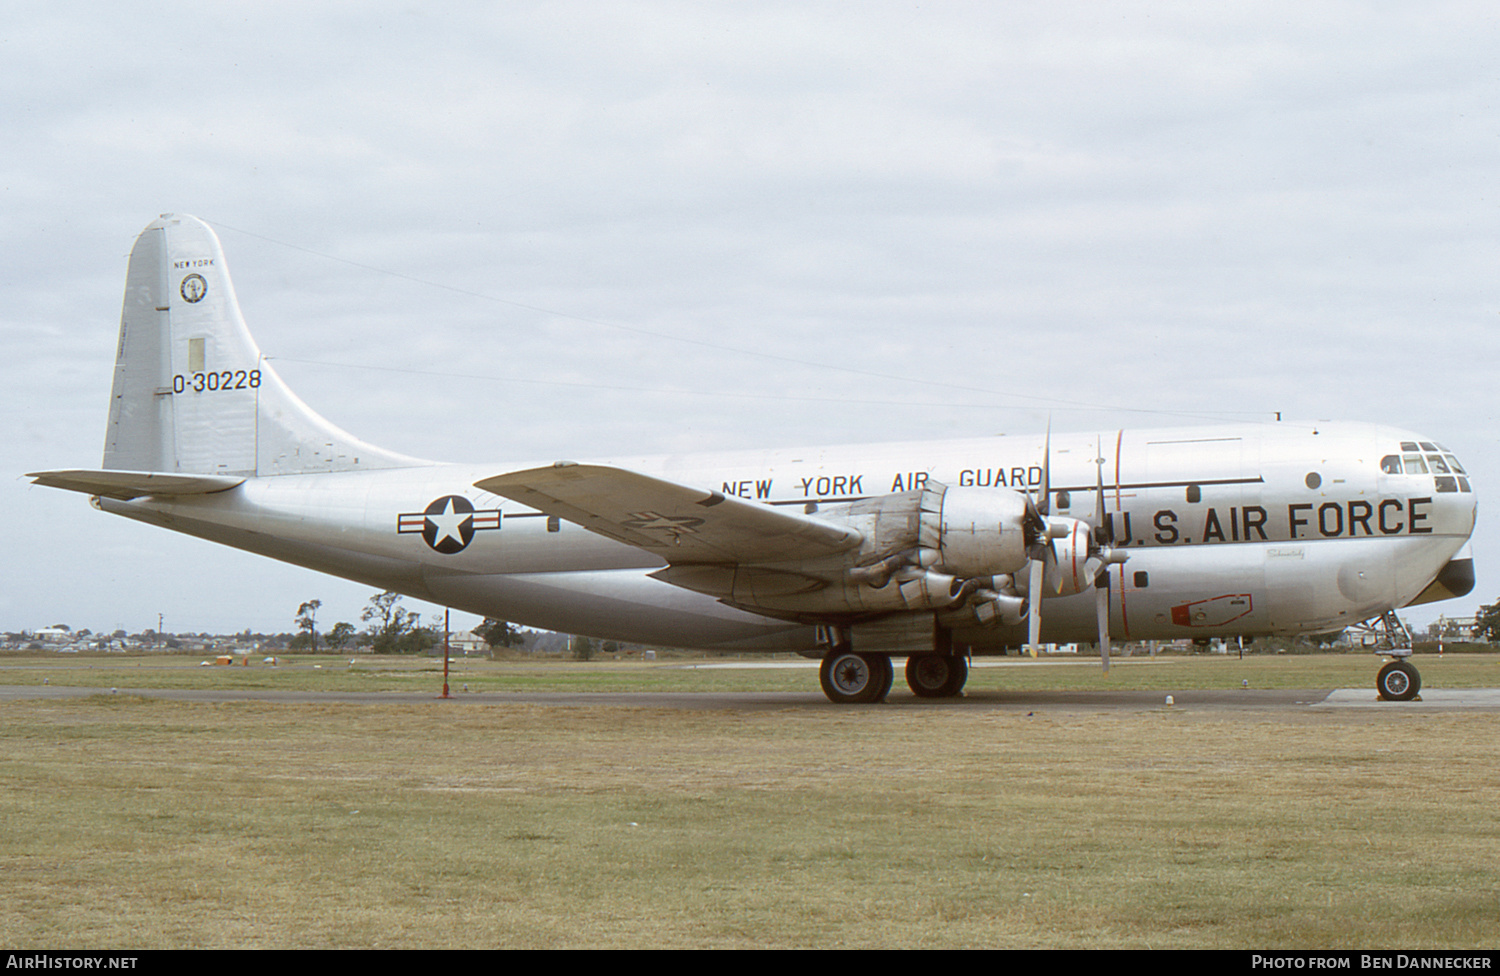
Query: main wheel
x=855 y=679
x=1398 y=681
x=936 y=675
x=887 y=675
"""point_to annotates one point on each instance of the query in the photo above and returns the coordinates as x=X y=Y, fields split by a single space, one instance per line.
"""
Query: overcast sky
x=522 y=231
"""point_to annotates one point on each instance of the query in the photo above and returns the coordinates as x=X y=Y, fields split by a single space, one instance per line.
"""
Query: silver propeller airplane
x=929 y=551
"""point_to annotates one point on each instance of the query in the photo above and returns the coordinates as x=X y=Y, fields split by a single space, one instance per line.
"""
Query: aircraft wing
x=126 y=485
x=683 y=525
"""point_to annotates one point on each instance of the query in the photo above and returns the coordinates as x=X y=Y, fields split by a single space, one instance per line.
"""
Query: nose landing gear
x=1399 y=679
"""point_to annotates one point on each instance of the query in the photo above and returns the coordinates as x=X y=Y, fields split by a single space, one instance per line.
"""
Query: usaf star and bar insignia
x=448 y=524
x=671 y=524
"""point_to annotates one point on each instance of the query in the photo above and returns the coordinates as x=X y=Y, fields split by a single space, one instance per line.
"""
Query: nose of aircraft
x=1420 y=466
x=1457 y=578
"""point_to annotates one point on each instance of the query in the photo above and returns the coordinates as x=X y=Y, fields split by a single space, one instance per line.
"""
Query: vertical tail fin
x=192 y=392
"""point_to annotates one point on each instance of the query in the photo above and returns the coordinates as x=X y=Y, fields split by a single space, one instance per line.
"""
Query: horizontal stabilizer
x=678 y=523
x=126 y=485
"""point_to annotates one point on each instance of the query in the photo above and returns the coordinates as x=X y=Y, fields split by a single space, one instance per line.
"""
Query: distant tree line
x=390 y=629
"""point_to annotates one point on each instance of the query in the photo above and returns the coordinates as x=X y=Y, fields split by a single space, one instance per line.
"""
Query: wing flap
x=126 y=485
x=681 y=524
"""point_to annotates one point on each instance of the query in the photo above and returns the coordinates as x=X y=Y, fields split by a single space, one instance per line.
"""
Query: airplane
x=932 y=551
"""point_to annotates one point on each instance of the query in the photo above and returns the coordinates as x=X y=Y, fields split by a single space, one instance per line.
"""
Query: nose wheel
x=1398 y=681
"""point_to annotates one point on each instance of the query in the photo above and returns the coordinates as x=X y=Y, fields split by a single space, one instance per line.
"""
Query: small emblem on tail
x=193 y=288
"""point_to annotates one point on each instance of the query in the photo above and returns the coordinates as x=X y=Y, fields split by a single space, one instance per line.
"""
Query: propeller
x=1039 y=547
x=1103 y=548
x=1040 y=535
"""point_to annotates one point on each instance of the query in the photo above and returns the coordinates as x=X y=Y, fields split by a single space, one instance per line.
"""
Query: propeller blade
x=1045 y=507
x=1104 y=529
x=1034 y=598
x=1103 y=532
x=1101 y=609
x=1103 y=525
x=1049 y=568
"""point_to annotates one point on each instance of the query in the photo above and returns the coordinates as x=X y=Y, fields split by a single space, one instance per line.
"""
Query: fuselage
x=1234 y=530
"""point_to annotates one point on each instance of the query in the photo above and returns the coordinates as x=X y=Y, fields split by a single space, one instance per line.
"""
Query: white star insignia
x=449 y=524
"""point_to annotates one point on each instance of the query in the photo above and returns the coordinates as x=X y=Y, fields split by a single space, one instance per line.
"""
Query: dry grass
x=142 y=823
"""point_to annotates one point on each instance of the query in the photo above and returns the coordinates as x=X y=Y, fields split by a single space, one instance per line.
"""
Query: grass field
x=713 y=674
x=132 y=822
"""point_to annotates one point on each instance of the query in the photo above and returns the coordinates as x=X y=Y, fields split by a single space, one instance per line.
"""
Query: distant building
x=464 y=643
x=1456 y=628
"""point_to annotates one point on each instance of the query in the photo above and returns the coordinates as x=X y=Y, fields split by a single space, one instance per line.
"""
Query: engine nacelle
x=959 y=552
x=982 y=532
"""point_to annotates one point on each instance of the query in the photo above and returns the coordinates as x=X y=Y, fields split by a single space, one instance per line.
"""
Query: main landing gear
x=936 y=675
x=849 y=678
x=855 y=679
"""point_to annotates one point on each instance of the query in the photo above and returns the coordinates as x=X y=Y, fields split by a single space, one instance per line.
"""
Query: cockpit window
x=1448 y=474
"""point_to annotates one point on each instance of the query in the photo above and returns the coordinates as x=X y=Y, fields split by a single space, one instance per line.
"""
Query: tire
x=1398 y=681
x=936 y=675
x=887 y=675
x=855 y=679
